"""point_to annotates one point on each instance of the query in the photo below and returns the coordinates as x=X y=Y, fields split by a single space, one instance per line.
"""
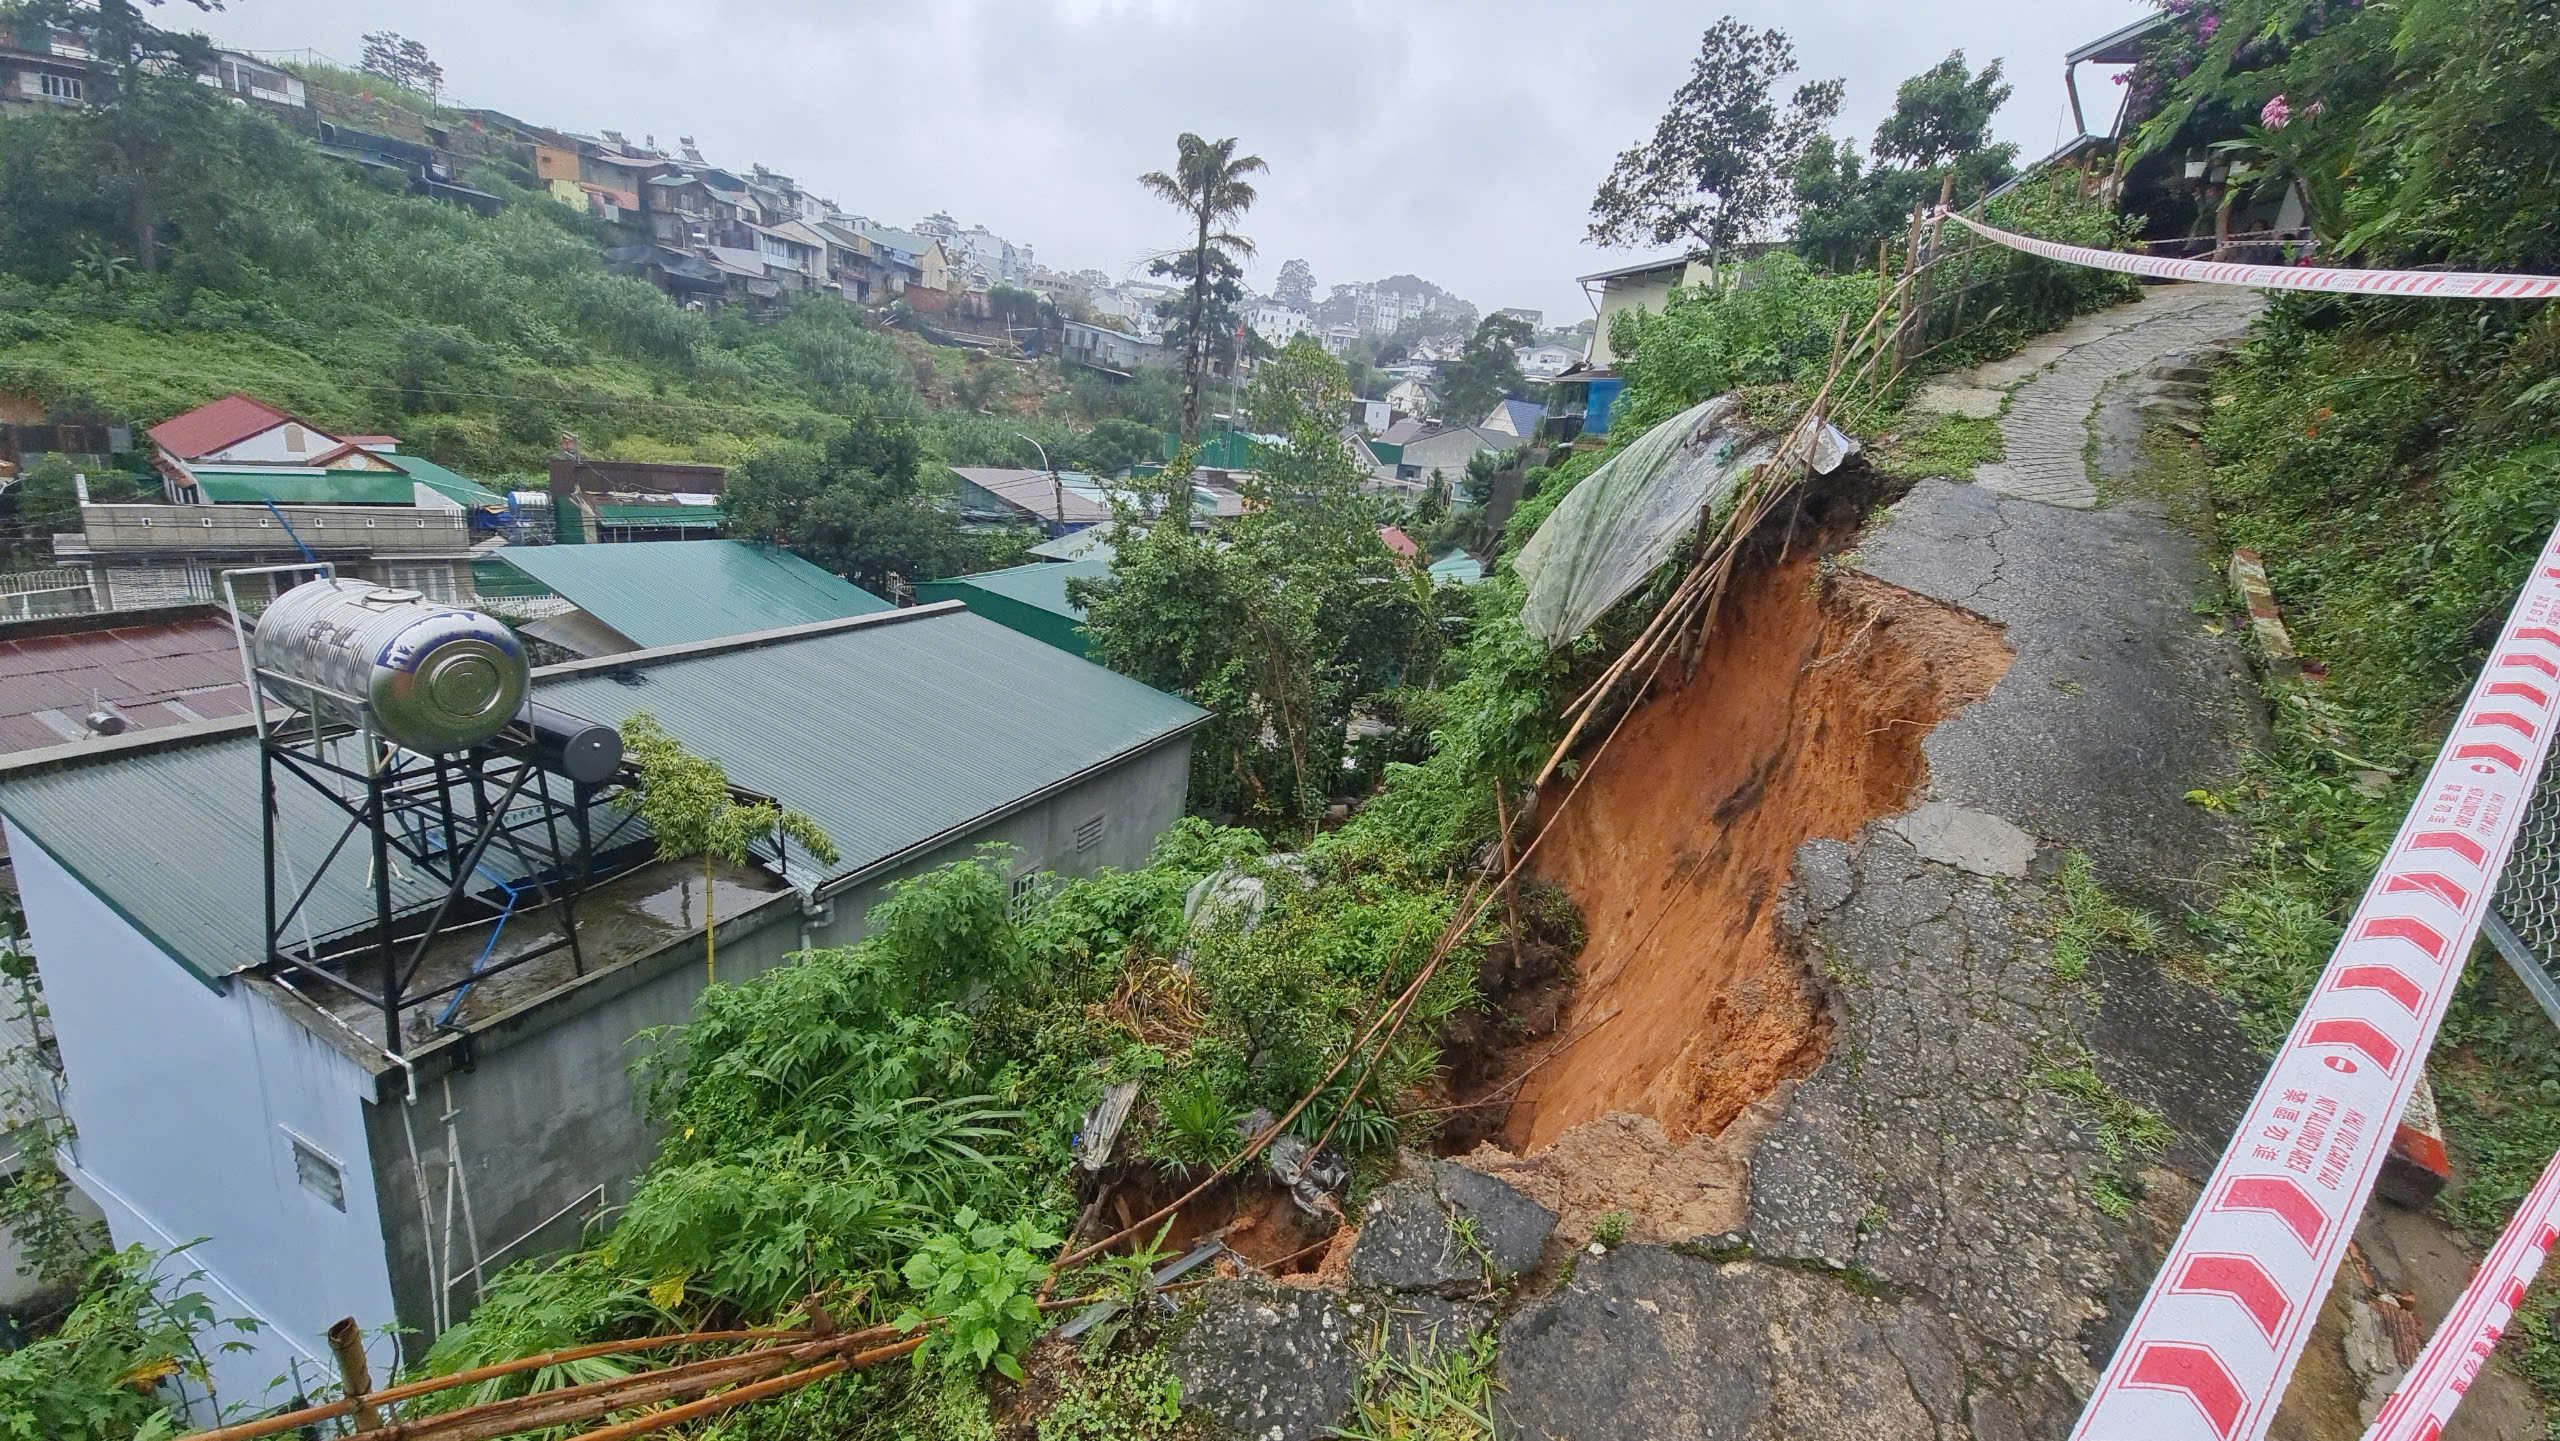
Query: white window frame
x=311 y=1163
x=70 y=89
x=1022 y=895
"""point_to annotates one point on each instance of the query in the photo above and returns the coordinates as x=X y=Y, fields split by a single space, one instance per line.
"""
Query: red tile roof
x=1399 y=542
x=209 y=428
x=154 y=673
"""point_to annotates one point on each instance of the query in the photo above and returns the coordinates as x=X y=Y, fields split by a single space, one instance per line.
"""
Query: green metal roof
x=297 y=485
x=495 y=579
x=669 y=592
x=460 y=489
x=898 y=734
x=1457 y=566
x=659 y=517
x=251 y=484
x=1041 y=583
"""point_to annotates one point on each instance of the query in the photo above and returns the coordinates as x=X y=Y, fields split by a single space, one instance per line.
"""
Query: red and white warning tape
x=2432 y=284
x=2210 y=1350
x=2443 y=1371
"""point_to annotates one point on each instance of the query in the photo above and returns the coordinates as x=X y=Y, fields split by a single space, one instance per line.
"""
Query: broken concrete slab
x=1511 y=1228
x=1449 y=1231
x=1407 y=1244
x=1969 y=840
x=1268 y=1362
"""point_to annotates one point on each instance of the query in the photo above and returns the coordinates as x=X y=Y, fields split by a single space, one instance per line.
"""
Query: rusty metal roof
x=208 y=428
x=177 y=666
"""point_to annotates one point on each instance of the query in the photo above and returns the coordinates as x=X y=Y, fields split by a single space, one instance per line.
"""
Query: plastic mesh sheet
x=1626 y=518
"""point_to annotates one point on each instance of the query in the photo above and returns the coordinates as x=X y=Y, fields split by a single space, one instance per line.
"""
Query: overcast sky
x=1455 y=139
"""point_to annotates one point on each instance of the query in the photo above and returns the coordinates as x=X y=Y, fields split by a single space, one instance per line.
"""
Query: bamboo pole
x=355 y=1375
x=309 y=1415
x=544 y=1409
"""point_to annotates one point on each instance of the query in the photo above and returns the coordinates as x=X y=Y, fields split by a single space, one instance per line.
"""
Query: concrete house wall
x=188 y=1102
x=288 y=443
x=547 y=1116
x=1138 y=800
x=1644 y=290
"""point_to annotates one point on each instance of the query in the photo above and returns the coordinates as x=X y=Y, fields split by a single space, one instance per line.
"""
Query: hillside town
x=634 y=802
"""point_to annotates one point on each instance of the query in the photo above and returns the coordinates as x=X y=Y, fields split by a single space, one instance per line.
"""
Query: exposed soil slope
x=1805 y=719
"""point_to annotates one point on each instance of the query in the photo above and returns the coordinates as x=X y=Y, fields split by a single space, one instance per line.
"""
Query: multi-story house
x=1278 y=323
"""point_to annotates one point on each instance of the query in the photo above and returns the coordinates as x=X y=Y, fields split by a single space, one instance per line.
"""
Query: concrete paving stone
x=1969 y=840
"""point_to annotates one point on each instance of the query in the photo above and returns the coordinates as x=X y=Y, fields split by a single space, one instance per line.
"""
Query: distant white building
x=1545 y=362
x=1134 y=301
x=1524 y=314
x=1276 y=323
x=979 y=252
x=1109 y=349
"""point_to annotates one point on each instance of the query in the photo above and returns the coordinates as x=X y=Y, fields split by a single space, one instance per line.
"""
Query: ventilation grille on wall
x=1089 y=835
x=319 y=1175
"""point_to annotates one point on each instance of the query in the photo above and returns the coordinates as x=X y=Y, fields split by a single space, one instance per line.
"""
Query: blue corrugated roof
x=896 y=733
x=671 y=592
x=1524 y=416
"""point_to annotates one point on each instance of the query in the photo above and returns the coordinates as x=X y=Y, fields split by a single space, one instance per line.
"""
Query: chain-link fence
x=2524 y=917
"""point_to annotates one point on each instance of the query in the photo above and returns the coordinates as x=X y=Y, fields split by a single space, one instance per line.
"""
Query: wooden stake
x=346 y=1342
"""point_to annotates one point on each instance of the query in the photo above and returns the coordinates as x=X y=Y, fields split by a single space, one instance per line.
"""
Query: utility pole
x=1057 y=487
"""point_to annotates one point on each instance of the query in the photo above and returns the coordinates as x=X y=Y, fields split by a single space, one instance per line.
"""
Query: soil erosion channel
x=1804 y=719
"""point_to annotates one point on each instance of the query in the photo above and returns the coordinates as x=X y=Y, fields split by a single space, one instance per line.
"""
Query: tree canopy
x=1717 y=169
x=402 y=61
x=1940 y=128
x=1943 y=114
x=858 y=505
x=1486 y=371
x=1282 y=624
x=1296 y=285
x=1210 y=185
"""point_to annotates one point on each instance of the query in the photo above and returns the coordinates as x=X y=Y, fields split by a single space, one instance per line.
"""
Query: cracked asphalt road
x=1939 y=1242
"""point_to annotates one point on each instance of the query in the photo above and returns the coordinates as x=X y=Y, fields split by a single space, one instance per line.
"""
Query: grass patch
x=2091 y=918
x=1134 y=1398
x=1947 y=446
x=2126 y=1132
x=1447 y=1397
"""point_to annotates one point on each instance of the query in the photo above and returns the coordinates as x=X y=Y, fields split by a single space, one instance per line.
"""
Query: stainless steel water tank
x=435 y=677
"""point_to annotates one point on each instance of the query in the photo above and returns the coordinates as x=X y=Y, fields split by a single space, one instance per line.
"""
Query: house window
x=319 y=1172
x=1089 y=835
x=1026 y=894
x=64 y=87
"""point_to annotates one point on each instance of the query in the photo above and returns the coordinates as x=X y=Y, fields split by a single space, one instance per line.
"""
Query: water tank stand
x=434 y=828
